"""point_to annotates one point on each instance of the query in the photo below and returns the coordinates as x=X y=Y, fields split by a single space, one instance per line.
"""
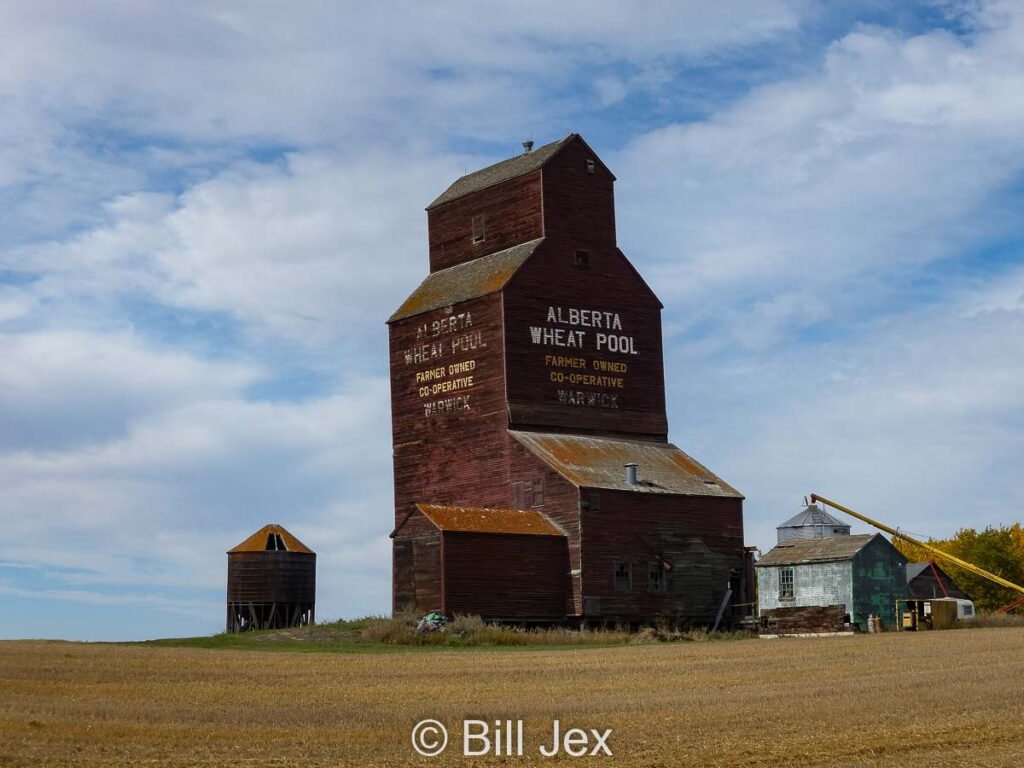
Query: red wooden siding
x=457 y=456
x=561 y=505
x=579 y=207
x=700 y=537
x=496 y=575
x=512 y=215
x=416 y=584
x=600 y=391
x=506 y=576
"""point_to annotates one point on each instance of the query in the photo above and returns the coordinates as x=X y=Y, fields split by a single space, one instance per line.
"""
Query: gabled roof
x=258 y=541
x=597 y=462
x=829 y=549
x=465 y=281
x=484 y=520
x=915 y=569
x=813 y=515
x=499 y=172
x=936 y=582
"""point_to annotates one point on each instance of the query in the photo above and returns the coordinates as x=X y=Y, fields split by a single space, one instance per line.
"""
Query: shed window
x=538 y=493
x=479 y=229
x=656 y=576
x=623 y=577
x=590 y=165
x=519 y=495
x=527 y=494
x=582 y=258
x=786 y=584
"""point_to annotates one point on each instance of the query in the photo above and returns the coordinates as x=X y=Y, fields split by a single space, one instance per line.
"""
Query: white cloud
x=915 y=421
x=160 y=505
x=889 y=158
x=111 y=99
x=795 y=236
x=318 y=250
x=69 y=387
x=91 y=597
x=213 y=71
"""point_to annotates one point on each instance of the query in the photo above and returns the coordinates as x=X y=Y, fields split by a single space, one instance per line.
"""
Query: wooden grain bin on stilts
x=271 y=582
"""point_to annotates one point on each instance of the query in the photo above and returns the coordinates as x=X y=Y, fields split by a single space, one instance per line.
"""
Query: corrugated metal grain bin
x=271 y=582
x=812 y=522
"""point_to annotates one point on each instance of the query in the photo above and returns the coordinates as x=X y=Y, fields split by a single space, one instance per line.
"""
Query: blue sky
x=207 y=211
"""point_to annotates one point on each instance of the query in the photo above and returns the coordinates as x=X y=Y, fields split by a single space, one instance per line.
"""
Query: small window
x=479 y=228
x=590 y=165
x=786 y=584
x=623 y=577
x=582 y=258
x=968 y=610
x=538 y=493
x=656 y=577
x=595 y=502
x=519 y=495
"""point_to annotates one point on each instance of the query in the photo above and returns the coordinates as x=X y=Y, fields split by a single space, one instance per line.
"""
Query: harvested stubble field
x=936 y=699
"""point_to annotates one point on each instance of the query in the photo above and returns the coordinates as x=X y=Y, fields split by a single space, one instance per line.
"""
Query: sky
x=209 y=209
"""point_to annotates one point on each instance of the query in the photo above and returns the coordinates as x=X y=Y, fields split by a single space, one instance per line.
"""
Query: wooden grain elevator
x=533 y=477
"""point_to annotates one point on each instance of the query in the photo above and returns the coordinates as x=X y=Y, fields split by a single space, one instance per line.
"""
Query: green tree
x=997 y=550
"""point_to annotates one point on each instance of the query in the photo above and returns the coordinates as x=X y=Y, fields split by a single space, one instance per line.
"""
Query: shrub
x=394 y=631
x=989 y=619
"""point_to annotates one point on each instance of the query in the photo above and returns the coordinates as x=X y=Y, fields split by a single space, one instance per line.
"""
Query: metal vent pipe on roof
x=527 y=146
x=631 y=475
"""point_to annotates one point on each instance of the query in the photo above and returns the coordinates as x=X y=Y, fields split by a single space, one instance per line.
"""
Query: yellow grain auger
x=930 y=549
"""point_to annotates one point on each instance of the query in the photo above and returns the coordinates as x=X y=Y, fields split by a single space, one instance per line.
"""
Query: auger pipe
x=927 y=547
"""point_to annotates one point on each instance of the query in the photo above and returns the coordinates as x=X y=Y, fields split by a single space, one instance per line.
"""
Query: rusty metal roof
x=597 y=462
x=469 y=280
x=484 y=520
x=499 y=172
x=258 y=541
x=825 y=550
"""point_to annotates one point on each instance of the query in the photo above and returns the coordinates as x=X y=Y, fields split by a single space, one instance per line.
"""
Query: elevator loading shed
x=527 y=384
x=865 y=573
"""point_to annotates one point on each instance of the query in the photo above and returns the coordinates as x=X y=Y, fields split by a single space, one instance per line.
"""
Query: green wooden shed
x=865 y=573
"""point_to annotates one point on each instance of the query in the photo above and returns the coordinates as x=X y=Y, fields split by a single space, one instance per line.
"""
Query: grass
x=911 y=699
x=375 y=634
x=378 y=634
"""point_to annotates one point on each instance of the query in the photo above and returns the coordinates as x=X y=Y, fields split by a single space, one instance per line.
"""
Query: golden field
x=931 y=699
